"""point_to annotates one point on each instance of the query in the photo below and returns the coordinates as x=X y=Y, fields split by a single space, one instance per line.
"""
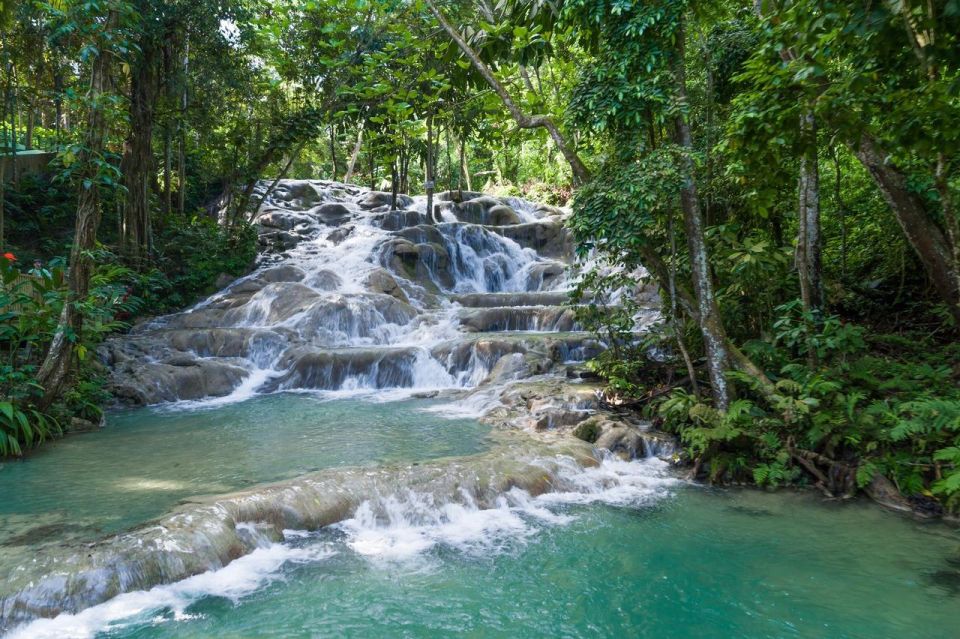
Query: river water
x=367 y=343
x=668 y=561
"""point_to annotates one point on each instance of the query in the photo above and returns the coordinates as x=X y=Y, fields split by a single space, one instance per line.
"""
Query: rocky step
x=205 y=533
x=440 y=260
x=339 y=368
x=399 y=220
x=497 y=300
x=548 y=237
x=468 y=361
x=480 y=210
x=518 y=318
x=536 y=352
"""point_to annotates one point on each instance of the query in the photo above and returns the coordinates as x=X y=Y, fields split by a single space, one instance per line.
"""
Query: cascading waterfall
x=400 y=527
x=500 y=526
x=353 y=296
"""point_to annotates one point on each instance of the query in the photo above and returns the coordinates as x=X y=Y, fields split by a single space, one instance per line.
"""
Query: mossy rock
x=588 y=431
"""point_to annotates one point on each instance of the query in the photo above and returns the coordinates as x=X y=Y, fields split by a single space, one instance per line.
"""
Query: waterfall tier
x=351 y=295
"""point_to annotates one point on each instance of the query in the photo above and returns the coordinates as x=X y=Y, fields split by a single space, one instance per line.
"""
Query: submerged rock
x=285 y=273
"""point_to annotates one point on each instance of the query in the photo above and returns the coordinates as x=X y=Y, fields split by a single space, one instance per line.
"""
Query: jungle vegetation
x=785 y=171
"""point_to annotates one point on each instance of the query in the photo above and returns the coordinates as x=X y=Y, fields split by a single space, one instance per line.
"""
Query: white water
x=234 y=581
x=333 y=307
x=404 y=529
x=329 y=333
x=408 y=526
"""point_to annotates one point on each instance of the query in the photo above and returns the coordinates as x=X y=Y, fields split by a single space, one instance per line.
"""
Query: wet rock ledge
x=208 y=533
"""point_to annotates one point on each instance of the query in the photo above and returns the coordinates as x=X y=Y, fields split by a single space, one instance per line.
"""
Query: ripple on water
x=689 y=563
x=147 y=460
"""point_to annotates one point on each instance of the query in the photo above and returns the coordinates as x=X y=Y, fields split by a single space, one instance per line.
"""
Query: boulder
x=272 y=304
x=549 y=238
x=331 y=318
x=380 y=281
x=553 y=418
x=217 y=342
x=338 y=236
x=378 y=199
x=331 y=213
x=297 y=194
x=246 y=287
x=457 y=196
x=422 y=234
x=523 y=318
x=330 y=369
x=502 y=215
x=622 y=440
x=325 y=280
x=477 y=210
x=279 y=241
x=153 y=383
x=510 y=366
x=544 y=276
x=280 y=219
x=588 y=430
x=224 y=280
x=426 y=264
x=396 y=220
x=285 y=273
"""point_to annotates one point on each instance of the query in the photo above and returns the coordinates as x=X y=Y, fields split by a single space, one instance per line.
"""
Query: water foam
x=234 y=581
x=340 y=311
x=407 y=527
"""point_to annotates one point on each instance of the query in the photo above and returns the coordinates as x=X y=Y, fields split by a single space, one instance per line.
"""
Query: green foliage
x=30 y=305
x=181 y=274
x=891 y=412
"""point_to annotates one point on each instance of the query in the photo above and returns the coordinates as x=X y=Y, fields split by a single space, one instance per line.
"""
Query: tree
x=93 y=172
x=580 y=172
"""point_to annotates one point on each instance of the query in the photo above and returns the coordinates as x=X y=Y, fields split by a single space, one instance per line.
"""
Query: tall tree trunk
x=809 y=250
x=53 y=373
x=580 y=173
x=841 y=212
x=404 y=169
x=58 y=99
x=3 y=187
x=31 y=114
x=167 y=168
x=923 y=233
x=136 y=164
x=675 y=319
x=446 y=136
x=428 y=172
x=714 y=335
x=394 y=185
x=333 y=152
x=10 y=110
x=354 y=155
x=370 y=149
x=460 y=174
x=182 y=164
x=464 y=167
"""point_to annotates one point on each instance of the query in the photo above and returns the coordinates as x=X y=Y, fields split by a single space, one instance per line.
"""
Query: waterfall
x=352 y=296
